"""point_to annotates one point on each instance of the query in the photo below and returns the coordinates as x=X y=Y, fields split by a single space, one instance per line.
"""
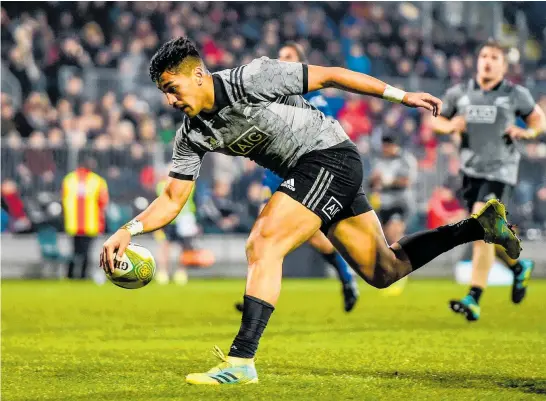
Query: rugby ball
x=135 y=269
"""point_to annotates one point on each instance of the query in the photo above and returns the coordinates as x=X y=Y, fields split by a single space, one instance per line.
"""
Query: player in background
x=484 y=110
x=393 y=174
x=254 y=111
x=293 y=52
x=181 y=231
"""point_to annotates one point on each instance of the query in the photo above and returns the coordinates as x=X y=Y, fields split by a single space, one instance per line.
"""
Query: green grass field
x=78 y=341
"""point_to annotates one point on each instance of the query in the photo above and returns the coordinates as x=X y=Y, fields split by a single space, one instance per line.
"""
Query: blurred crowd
x=49 y=49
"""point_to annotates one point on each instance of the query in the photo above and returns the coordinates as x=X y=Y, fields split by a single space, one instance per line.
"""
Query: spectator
x=221 y=214
x=33 y=115
x=8 y=114
x=38 y=160
x=358 y=61
x=353 y=119
x=12 y=203
x=444 y=208
x=23 y=67
x=52 y=50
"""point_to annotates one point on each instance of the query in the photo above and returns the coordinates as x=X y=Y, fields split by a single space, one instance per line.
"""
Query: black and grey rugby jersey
x=260 y=115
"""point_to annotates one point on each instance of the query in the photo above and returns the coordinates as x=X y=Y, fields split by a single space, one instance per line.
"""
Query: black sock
x=517 y=268
x=476 y=293
x=256 y=314
x=420 y=248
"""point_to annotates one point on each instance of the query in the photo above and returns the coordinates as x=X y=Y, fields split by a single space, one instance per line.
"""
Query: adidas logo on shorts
x=289 y=184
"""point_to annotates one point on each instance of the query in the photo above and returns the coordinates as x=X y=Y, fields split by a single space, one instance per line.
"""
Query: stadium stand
x=74 y=81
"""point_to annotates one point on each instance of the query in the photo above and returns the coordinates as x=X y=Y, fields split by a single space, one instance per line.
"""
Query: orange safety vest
x=85 y=196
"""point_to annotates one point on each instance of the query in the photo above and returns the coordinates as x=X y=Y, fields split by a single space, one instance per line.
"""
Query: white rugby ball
x=135 y=269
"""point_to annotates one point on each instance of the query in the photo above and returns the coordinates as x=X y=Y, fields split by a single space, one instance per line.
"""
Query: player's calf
x=361 y=241
x=364 y=245
x=283 y=225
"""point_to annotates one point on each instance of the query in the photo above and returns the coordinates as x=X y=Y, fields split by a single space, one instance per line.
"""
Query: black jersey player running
x=257 y=111
x=484 y=111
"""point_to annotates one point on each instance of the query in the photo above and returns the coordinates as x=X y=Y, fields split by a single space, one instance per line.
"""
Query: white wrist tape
x=135 y=227
x=393 y=94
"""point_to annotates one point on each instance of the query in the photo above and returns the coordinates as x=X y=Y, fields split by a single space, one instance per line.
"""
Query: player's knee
x=385 y=272
x=382 y=280
x=260 y=245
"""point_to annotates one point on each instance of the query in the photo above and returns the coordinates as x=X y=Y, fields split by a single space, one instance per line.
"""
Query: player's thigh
x=361 y=242
x=327 y=185
x=283 y=225
x=493 y=190
x=321 y=243
x=477 y=191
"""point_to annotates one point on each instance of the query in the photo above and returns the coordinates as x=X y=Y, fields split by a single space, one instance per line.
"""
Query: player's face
x=288 y=53
x=491 y=63
x=183 y=91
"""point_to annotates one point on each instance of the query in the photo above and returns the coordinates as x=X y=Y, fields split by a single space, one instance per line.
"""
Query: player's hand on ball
x=519 y=133
x=115 y=245
x=424 y=100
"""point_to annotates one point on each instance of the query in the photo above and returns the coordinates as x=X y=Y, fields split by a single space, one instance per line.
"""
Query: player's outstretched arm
x=443 y=125
x=536 y=125
x=161 y=212
x=351 y=81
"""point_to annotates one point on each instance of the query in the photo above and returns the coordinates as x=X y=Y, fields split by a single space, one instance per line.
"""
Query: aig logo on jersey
x=481 y=114
x=332 y=207
x=248 y=141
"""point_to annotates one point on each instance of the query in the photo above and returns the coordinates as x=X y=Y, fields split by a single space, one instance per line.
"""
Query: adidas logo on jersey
x=289 y=184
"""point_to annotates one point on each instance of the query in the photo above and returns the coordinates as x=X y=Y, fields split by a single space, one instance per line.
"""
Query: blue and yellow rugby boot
x=466 y=306
x=492 y=218
x=521 y=280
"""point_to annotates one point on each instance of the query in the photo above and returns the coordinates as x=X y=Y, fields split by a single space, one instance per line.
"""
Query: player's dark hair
x=299 y=50
x=493 y=44
x=170 y=55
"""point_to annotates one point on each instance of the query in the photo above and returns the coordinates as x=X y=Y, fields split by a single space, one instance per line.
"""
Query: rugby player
x=256 y=110
x=484 y=111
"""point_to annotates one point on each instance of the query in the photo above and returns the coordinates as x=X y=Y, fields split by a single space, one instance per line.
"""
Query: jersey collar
x=221 y=98
x=496 y=87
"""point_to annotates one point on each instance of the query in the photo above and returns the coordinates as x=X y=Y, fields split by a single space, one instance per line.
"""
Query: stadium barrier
x=22 y=258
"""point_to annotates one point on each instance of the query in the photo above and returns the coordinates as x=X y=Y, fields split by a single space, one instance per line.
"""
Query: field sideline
x=77 y=341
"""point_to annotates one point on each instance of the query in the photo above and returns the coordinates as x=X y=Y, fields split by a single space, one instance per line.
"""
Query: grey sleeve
x=524 y=102
x=449 y=107
x=269 y=79
x=186 y=161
